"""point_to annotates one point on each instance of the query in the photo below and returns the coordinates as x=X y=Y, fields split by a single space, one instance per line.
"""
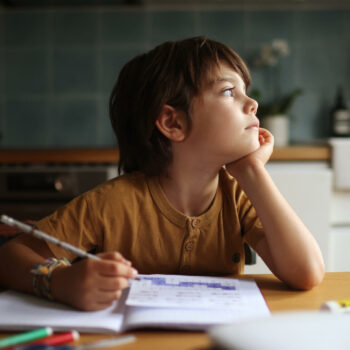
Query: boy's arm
x=88 y=284
x=17 y=258
x=288 y=249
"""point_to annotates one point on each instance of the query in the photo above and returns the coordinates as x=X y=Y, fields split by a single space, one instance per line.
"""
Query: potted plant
x=274 y=114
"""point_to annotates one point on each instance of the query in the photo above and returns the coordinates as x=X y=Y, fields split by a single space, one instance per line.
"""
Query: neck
x=190 y=189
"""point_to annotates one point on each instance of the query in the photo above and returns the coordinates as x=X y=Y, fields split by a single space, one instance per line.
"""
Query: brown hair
x=172 y=73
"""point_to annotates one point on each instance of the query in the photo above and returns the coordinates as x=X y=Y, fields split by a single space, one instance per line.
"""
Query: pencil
x=44 y=236
x=25 y=337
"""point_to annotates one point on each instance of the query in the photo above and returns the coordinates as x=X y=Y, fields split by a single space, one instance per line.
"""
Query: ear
x=172 y=123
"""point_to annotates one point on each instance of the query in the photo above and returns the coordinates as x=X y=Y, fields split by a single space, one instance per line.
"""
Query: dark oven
x=33 y=191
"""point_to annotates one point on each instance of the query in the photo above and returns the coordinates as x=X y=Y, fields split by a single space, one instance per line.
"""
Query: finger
x=116 y=269
x=107 y=297
x=110 y=284
x=116 y=256
x=265 y=136
x=264 y=132
x=108 y=302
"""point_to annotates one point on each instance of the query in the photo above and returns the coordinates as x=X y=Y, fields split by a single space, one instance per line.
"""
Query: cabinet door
x=340 y=231
x=307 y=187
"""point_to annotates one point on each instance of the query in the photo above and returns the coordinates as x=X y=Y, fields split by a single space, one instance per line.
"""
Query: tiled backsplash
x=58 y=66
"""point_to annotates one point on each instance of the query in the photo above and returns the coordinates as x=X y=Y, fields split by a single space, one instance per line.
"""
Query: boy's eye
x=229 y=92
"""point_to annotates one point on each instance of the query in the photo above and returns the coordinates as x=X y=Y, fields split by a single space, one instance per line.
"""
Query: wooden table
x=279 y=297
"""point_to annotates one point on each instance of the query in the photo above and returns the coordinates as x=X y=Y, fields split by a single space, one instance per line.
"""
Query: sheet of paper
x=190 y=302
x=195 y=292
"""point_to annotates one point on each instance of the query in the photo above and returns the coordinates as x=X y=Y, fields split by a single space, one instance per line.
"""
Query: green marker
x=25 y=337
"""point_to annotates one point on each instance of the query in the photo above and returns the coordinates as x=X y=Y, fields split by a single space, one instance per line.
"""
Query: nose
x=251 y=106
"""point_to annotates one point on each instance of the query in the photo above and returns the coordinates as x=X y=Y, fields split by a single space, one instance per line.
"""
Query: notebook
x=160 y=301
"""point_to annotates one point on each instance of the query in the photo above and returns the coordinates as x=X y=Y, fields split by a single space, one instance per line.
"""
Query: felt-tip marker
x=52 y=341
x=25 y=337
x=99 y=344
x=59 y=339
x=337 y=306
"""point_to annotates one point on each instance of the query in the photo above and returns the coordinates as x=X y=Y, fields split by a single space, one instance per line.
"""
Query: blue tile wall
x=105 y=134
x=227 y=27
x=74 y=121
x=264 y=26
x=58 y=66
x=74 y=28
x=2 y=73
x=74 y=71
x=25 y=71
x=123 y=28
x=171 y=25
x=1 y=28
x=2 y=67
x=27 y=28
x=112 y=61
x=25 y=122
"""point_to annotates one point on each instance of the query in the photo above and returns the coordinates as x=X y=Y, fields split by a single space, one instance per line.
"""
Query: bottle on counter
x=340 y=116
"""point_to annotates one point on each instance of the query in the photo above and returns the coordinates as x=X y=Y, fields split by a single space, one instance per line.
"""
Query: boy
x=192 y=153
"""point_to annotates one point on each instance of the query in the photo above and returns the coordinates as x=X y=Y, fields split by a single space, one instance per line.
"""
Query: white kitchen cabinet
x=307 y=186
x=340 y=231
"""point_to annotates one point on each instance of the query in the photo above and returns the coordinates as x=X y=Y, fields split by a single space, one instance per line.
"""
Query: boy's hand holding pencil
x=92 y=284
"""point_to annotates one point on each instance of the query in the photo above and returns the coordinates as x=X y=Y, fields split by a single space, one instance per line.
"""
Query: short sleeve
x=252 y=230
x=72 y=223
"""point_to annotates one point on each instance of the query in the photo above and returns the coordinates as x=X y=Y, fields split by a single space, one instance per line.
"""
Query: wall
x=57 y=66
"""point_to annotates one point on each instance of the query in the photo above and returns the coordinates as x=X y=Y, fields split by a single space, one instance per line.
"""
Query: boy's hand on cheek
x=93 y=284
x=259 y=157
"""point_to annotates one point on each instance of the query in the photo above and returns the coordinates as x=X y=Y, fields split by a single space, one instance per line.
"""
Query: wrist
x=59 y=283
x=246 y=173
x=42 y=275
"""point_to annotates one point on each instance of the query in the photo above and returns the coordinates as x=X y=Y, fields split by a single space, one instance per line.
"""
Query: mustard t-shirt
x=131 y=214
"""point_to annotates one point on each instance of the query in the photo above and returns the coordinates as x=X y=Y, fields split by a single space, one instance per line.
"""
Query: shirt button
x=236 y=257
x=195 y=222
x=189 y=246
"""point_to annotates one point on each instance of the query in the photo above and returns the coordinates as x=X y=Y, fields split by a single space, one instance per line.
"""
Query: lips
x=253 y=126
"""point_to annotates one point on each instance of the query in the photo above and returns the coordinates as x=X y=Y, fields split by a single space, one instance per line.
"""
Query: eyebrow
x=229 y=79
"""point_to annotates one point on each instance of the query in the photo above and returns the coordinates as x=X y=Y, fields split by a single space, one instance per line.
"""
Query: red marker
x=58 y=339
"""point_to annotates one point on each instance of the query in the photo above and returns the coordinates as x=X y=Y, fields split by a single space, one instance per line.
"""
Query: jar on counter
x=340 y=117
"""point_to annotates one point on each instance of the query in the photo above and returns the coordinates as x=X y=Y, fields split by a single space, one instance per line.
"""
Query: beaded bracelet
x=42 y=276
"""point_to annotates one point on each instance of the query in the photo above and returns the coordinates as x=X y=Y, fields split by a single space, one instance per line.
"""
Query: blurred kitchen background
x=58 y=63
x=60 y=59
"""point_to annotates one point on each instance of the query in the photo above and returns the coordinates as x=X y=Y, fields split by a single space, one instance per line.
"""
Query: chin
x=253 y=146
x=249 y=149
x=243 y=150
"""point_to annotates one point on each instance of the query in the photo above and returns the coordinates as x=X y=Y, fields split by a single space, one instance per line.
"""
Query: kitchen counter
x=110 y=155
x=58 y=156
x=302 y=153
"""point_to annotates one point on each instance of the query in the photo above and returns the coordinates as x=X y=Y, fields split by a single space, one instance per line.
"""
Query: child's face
x=224 y=125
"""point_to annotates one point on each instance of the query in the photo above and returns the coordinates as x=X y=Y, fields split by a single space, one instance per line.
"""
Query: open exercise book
x=160 y=301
